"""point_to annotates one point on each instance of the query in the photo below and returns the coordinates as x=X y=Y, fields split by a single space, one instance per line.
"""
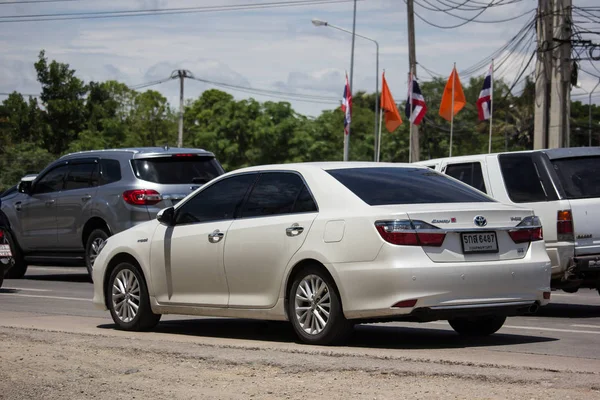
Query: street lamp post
x=318 y=22
x=578 y=86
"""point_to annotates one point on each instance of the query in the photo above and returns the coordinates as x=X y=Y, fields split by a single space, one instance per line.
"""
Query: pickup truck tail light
x=564 y=226
x=529 y=230
x=410 y=233
x=142 y=197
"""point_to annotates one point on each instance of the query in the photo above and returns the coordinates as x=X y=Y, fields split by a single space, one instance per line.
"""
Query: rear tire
x=478 y=326
x=128 y=299
x=1 y=279
x=315 y=309
x=92 y=248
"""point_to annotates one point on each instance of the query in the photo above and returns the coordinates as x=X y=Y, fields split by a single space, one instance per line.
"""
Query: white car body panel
x=246 y=274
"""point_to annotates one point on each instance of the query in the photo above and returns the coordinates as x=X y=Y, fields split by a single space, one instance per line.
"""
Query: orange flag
x=392 y=116
x=459 y=97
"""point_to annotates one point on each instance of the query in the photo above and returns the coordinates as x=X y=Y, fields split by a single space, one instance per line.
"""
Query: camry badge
x=480 y=221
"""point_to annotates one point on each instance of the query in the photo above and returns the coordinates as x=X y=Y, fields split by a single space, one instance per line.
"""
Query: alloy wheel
x=312 y=304
x=126 y=295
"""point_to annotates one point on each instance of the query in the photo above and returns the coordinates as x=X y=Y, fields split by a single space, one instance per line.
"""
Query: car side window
x=217 y=202
x=277 y=193
x=53 y=180
x=521 y=178
x=81 y=176
x=110 y=171
x=469 y=173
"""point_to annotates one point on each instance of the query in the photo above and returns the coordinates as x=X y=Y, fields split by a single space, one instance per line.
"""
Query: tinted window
x=80 y=176
x=217 y=202
x=388 y=185
x=469 y=173
x=278 y=193
x=580 y=177
x=52 y=181
x=111 y=171
x=177 y=169
x=521 y=178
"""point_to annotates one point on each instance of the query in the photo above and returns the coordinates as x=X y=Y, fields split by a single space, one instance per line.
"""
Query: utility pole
x=561 y=76
x=543 y=74
x=347 y=137
x=414 y=150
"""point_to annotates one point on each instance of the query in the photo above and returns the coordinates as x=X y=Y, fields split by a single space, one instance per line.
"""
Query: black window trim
x=246 y=196
x=238 y=216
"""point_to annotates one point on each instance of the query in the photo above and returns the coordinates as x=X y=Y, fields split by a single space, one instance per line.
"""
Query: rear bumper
x=442 y=290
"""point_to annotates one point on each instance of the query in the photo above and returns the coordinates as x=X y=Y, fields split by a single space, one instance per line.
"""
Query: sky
x=276 y=49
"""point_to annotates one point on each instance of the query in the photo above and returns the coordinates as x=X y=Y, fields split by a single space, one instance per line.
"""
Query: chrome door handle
x=18 y=206
x=86 y=197
x=294 y=230
x=215 y=236
x=49 y=202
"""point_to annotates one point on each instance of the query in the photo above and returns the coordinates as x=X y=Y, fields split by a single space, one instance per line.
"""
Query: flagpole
x=380 y=121
x=452 y=108
x=410 y=126
x=491 y=105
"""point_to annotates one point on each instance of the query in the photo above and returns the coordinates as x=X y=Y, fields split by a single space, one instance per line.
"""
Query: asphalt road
x=569 y=326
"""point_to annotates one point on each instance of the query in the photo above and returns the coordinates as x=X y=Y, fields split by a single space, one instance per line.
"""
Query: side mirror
x=166 y=216
x=24 y=187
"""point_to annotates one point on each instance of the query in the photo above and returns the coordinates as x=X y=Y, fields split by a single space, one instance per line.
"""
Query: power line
x=163 y=11
x=34 y=1
x=22 y=94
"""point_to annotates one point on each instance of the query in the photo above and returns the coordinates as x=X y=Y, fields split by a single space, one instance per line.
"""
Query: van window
x=469 y=173
x=521 y=178
x=579 y=176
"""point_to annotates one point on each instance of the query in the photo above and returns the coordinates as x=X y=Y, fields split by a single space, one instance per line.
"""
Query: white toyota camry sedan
x=326 y=246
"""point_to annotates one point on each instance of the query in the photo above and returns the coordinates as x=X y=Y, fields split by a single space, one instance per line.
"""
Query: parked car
x=562 y=186
x=326 y=246
x=64 y=215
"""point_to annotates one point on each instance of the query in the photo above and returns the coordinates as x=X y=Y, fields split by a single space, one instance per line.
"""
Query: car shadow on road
x=364 y=336
x=562 y=310
x=60 y=277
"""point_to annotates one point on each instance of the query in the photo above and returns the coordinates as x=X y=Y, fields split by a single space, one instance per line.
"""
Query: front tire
x=478 y=326
x=19 y=268
x=128 y=299
x=94 y=244
x=315 y=309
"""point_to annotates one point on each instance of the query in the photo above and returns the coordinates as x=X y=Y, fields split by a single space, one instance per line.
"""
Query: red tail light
x=405 y=304
x=142 y=197
x=564 y=226
x=184 y=155
x=529 y=230
x=1 y=233
x=410 y=233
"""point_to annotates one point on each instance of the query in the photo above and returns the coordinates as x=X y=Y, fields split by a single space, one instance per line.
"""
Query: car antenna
x=166 y=146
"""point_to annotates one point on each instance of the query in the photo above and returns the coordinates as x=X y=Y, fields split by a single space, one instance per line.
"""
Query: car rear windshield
x=177 y=169
x=579 y=176
x=388 y=185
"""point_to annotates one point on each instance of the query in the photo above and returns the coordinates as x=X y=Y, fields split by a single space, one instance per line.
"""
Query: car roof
x=552 y=154
x=138 y=152
x=324 y=165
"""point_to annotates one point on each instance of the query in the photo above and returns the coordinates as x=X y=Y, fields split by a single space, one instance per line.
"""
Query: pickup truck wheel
x=94 y=244
x=478 y=326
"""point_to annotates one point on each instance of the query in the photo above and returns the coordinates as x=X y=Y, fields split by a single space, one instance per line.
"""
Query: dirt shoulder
x=37 y=364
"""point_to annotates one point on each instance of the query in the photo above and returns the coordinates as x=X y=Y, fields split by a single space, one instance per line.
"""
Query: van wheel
x=93 y=246
x=128 y=299
x=478 y=326
x=315 y=309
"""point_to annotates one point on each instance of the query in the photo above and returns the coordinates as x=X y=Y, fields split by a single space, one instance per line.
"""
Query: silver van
x=64 y=215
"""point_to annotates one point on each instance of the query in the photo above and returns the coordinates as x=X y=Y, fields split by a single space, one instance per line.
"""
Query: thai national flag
x=415 y=113
x=484 y=103
x=347 y=105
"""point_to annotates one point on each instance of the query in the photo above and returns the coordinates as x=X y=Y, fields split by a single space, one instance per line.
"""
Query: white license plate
x=480 y=242
x=5 y=251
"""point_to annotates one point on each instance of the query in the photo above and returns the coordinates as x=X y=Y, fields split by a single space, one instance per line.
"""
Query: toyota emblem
x=480 y=220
